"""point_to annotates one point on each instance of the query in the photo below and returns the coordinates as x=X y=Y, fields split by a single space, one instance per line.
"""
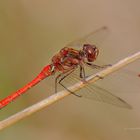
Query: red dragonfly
x=65 y=62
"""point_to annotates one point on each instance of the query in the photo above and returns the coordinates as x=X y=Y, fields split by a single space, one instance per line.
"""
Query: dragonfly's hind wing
x=94 y=38
x=94 y=92
x=99 y=94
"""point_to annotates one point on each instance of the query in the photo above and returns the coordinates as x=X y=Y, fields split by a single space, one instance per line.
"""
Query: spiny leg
x=68 y=73
x=82 y=72
x=60 y=75
x=56 y=79
x=70 y=90
x=93 y=66
x=97 y=66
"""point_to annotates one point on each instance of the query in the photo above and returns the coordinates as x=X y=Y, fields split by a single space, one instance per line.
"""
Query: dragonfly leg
x=56 y=79
x=100 y=77
x=93 y=66
x=64 y=76
x=97 y=66
x=82 y=72
x=68 y=73
x=60 y=75
x=70 y=90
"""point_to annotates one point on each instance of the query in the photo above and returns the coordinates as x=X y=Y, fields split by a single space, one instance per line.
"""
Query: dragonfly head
x=90 y=52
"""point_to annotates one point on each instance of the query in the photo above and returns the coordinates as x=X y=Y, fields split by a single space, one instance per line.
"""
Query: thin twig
x=56 y=97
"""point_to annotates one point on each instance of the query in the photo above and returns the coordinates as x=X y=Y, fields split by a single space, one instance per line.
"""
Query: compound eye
x=91 y=52
x=92 y=55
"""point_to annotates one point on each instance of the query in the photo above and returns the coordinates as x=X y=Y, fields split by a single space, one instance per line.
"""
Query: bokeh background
x=32 y=31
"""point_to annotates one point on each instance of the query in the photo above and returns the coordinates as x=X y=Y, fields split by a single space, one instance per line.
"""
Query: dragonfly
x=74 y=56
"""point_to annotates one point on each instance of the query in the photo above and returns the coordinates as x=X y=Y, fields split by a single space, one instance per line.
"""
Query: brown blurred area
x=31 y=32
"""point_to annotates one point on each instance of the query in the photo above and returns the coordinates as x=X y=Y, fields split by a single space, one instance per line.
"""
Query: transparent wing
x=95 y=38
x=94 y=92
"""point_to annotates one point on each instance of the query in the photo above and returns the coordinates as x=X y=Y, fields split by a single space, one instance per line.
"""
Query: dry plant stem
x=56 y=97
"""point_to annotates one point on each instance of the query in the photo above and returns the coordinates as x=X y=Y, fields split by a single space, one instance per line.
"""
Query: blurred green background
x=31 y=32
